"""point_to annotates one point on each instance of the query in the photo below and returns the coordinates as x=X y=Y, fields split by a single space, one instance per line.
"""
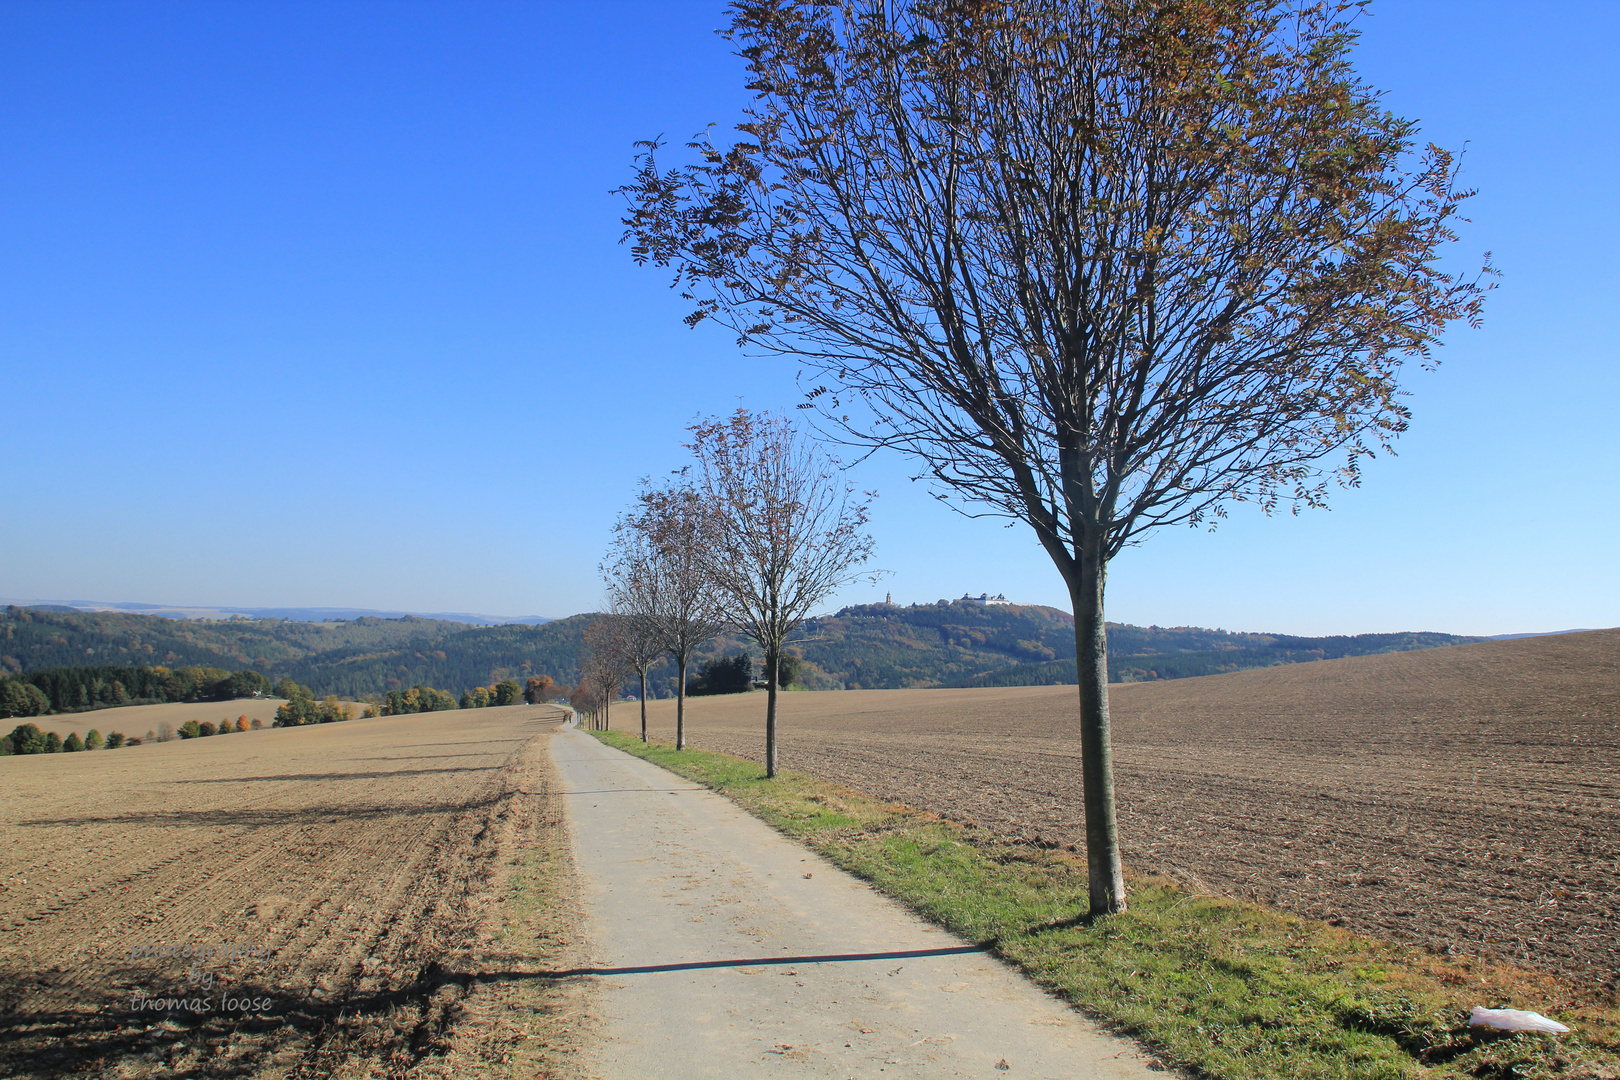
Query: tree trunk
x=680 y=706
x=1096 y=745
x=643 y=704
x=772 y=663
x=607 y=713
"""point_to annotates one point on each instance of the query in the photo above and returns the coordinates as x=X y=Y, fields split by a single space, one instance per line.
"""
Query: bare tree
x=788 y=534
x=677 y=529
x=585 y=701
x=638 y=598
x=605 y=663
x=1099 y=265
x=620 y=644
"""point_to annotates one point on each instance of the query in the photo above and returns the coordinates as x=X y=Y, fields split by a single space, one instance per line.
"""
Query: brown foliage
x=1098 y=265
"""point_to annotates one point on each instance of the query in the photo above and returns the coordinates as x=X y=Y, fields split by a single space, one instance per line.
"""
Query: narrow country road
x=723 y=949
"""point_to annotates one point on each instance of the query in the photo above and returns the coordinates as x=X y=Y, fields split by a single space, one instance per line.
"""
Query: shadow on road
x=758 y=961
x=632 y=791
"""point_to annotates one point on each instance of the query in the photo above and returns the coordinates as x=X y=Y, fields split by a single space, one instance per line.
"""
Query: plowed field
x=1466 y=799
x=304 y=902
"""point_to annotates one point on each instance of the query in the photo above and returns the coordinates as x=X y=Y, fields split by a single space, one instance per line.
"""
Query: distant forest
x=871 y=646
x=97 y=686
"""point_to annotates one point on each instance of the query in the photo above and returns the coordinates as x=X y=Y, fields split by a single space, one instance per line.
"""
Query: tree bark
x=643 y=704
x=1107 y=877
x=772 y=663
x=680 y=706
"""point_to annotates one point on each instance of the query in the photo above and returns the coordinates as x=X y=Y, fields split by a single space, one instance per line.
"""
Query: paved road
x=726 y=950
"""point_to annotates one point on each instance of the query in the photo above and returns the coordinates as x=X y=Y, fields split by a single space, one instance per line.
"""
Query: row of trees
x=57 y=690
x=301 y=708
x=1099 y=266
x=193 y=729
x=735 y=674
x=29 y=739
x=417 y=699
x=73 y=689
x=505 y=692
x=753 y=535
x=723 y=675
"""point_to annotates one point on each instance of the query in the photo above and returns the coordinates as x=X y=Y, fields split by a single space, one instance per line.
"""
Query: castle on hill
x=982 y=598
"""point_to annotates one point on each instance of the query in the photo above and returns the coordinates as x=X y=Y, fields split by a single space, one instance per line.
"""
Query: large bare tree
x=1099 y=265
x=788 y=532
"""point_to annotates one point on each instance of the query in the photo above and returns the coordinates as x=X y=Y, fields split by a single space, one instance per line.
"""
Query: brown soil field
x=1466 y=799
x=136 y=720
x=320 y=901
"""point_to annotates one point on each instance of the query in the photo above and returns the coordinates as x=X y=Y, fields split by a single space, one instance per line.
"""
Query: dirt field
x=1465 y=798
x=343 y=883
x=136 y=720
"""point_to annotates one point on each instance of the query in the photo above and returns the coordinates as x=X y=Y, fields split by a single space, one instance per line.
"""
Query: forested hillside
x=872 y=646
x=963 y=643
x=33 y=638
x=473 y=656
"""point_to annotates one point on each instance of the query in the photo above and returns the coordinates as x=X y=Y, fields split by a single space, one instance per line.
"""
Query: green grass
x=1236 y=990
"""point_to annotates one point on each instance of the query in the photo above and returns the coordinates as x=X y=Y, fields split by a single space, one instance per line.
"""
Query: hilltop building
x=986 y=598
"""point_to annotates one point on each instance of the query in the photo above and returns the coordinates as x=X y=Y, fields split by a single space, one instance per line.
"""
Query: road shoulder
x=720 y=946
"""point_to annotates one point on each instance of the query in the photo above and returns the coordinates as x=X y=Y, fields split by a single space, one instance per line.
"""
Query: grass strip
x=1233 y=989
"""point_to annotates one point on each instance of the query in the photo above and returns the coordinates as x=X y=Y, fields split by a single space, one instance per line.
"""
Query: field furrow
x=1466 y=798
x=269 y=902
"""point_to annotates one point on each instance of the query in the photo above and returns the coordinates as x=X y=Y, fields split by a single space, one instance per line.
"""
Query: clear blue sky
x=322 y=305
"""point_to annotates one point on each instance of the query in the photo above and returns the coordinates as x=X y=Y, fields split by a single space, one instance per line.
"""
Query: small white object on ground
x=1514 y=1020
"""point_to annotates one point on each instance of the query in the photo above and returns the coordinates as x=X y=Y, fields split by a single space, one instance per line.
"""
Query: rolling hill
x=872 y=646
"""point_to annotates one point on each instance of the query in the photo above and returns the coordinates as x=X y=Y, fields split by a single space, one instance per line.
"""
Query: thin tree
x=788 y=533
x=584 y=701
x=637 y=599
x=677 y=529
x=1099 y=265
x=615 y=648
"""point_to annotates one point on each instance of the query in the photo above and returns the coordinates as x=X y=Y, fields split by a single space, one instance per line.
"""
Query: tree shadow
x=1074 y=922
x=108 y=1028
x=754 y=961
x=215 y=816
x=344 y=775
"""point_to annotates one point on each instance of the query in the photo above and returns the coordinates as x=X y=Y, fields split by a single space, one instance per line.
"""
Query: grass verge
x=1232 y=989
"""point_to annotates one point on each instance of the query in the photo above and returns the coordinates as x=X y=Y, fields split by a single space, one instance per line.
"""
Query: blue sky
x=323 y=305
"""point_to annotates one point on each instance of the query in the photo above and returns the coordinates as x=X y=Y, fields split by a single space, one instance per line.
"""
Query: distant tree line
x=28 y=739
x=192 y=729
x=505 y=692
x=301 y=708
x=735 y=675
x=76 y=689
x=725 y=675
x=416 y=700
x=37 y=638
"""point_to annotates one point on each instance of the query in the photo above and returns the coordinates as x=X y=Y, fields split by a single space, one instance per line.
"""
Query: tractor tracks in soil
x=299 y=902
